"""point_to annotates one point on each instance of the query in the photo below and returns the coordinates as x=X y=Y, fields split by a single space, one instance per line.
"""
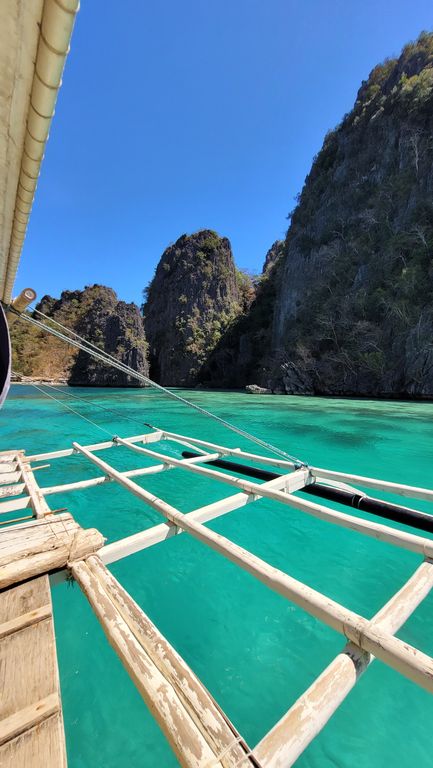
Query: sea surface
x=254 y=650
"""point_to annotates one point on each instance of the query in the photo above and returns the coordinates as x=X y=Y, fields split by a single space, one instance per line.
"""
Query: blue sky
x=185 y=114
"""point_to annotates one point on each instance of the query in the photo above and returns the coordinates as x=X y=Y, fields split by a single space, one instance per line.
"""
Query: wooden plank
x=29 y=549
x=39 y=747
x=8 y=467
x=288 y=739
x=24 y=620
x=7 y=478
x=14 y=505
x=196 y=728
x=31 y=725
x=12 y=490
x=26 y=718
x=7 y=457
x=22 y=599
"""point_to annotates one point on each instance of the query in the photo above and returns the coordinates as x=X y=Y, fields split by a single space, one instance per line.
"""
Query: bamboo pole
x=410 y=541
x=214 y=725
x=288 y=739
x=426 y=494
x=407 y=660
x=151 y=437
x=20 y=303
x=144 y=539
x=411 y=491
x=79 y=485
x=294 y=480
x=194 y=442
x=197 y=732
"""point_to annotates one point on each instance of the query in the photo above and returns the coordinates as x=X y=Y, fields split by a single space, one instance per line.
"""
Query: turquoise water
x=254 y=650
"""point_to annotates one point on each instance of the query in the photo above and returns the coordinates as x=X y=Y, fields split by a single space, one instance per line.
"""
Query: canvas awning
x=34 y=42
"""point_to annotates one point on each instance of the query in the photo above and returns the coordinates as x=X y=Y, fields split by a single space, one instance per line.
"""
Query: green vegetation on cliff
x=194 y=297
x=352 y=311
x=97 y=315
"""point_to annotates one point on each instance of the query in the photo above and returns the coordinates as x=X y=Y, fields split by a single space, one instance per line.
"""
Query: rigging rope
x=91 y=349
x=87 y=401
x=65 y=405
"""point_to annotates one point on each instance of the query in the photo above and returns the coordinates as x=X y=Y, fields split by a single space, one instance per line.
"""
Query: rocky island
x=96 y=314
x=344 y=305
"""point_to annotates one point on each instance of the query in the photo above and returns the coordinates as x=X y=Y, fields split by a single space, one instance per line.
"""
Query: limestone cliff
x=97 y=315
x=354 y=307
x=194 y=297
x=353 y=291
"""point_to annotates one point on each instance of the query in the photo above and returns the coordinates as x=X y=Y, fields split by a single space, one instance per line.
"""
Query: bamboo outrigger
x=39 y=545
x=197 y=729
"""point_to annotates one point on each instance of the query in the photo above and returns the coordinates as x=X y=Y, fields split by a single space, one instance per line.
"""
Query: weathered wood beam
x=38 y=503
x=199 y=734
x=30 y=549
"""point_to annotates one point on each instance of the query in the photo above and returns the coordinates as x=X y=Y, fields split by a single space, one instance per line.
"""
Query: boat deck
x=31 y=722
x=43 y=542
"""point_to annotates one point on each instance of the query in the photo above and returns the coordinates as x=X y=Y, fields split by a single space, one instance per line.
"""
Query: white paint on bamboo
x=198 y=732
x=144 y=539
x=151 y=437
x=407 y=660
x=294 y=481
x=288 y=739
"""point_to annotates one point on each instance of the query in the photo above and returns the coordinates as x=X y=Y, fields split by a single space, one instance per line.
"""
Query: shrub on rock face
x=347 y=307
x=194 y=297
x=96 y=314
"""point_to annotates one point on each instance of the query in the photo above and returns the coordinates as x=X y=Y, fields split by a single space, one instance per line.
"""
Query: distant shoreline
x=379 y=398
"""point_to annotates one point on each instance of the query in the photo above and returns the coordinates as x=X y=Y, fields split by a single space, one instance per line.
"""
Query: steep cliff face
x=195 y=295
x=244 y=354
x=354 y=307
x=97 y=315
x=273 y=256
x=352 y=293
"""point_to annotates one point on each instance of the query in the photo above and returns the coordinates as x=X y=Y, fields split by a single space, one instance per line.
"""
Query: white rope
x=64 y=405
x=91 y=349
x=89 y=402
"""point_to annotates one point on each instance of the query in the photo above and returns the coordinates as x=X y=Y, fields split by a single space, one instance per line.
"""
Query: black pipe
x=405 y=515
